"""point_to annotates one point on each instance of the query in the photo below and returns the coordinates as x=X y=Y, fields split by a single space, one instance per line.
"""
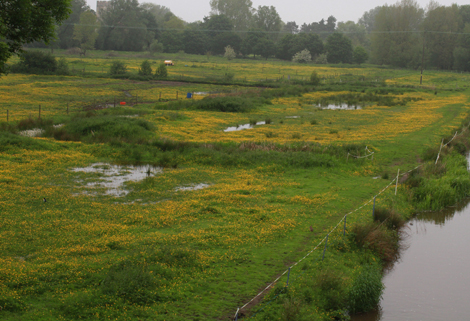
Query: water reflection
x=112 y=178
x=430 y=280
x=339 y=107
x=242 y=127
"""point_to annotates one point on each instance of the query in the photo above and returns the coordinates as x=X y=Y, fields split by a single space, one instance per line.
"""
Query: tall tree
x=338 y=49
x=462 y=51
x=441 y=26
x=239 y=12
x=24 y=21
x=322 y=28
x=289 y=45
x=396 y=39
x=159 y=12
x=267 y=19
x=368 y=19
x=252 y=38
x=216 y=24
x=195 y=41
x=291 y=27
x=355 y=32
x=86 y=31
x=65 y=30
x=265 y=48
x=223 y=40
x=124 y=27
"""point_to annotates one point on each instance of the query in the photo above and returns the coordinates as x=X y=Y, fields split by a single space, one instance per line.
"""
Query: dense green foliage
x=37 y=62
x=22 y=22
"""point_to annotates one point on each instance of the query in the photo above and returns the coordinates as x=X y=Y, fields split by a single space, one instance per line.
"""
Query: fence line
x=321 y=242
x=344 y=219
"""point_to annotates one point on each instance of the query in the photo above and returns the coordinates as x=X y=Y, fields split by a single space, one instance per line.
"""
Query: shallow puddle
x=339 y=107
x=192 y=187
x=242 y=127
x=112 y=178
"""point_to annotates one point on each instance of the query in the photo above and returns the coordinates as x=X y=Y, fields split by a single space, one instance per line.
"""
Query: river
x=431 y=280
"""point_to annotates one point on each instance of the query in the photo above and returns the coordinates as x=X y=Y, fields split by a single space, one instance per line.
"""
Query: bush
x=118 y=68
x=36 y=62
x=360 y=55
x=228 y=76
x=106 y=129
x=314 y=79
x=225 y=104
x=333 y=293
x=161 y=71
x=132 y=281
x=376 y=238
x=321 y=59
x=145 y=68
x=62 y=67
x=303 y=56
x=390 y=218
x=229 y=53
x=366 y=290
x=155 y=47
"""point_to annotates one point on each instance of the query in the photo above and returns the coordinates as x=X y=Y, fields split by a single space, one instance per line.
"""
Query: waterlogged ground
x=112 y=178
x=212 y=232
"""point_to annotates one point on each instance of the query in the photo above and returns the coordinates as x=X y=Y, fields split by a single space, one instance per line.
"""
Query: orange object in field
x=122 y=102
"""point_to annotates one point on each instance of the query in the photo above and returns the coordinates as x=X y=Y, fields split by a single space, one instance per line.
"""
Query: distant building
x=101 y=6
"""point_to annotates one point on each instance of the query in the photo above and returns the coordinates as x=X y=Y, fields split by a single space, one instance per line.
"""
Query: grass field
x=268 y=196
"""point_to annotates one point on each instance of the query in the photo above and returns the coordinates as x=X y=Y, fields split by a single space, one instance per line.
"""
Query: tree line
x=401 y=35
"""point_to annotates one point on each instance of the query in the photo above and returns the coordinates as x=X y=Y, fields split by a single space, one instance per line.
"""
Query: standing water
x=431 y=281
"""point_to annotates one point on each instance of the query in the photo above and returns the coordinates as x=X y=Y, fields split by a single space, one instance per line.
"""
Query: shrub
x=291 y=310
x=73 y=51
x=145 y=68
x=225 y=104
x=155 y=47
x=228 y=76
x=366 y=290
x=229 y=53
x=303 y=56
x=118 y=68
x=36 y=62
x=106 y=129
x=161 y=71
x=313 y=122
x=314 y=79
x=333 y=293
x=132 y=281
x=390 y=218
x=62 y=67
x=321 y=59
x=360 y=55
x=378 y=239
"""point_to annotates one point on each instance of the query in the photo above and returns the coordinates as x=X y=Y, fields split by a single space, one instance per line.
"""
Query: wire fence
x=340 y=228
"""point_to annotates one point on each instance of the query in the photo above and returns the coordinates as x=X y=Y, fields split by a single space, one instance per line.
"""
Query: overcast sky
x=299 y=11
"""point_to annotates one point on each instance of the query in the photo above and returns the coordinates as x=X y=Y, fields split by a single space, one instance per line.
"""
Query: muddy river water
x=431 y=280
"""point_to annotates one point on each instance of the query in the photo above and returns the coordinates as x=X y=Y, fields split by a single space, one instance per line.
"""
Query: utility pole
x=422 y=60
